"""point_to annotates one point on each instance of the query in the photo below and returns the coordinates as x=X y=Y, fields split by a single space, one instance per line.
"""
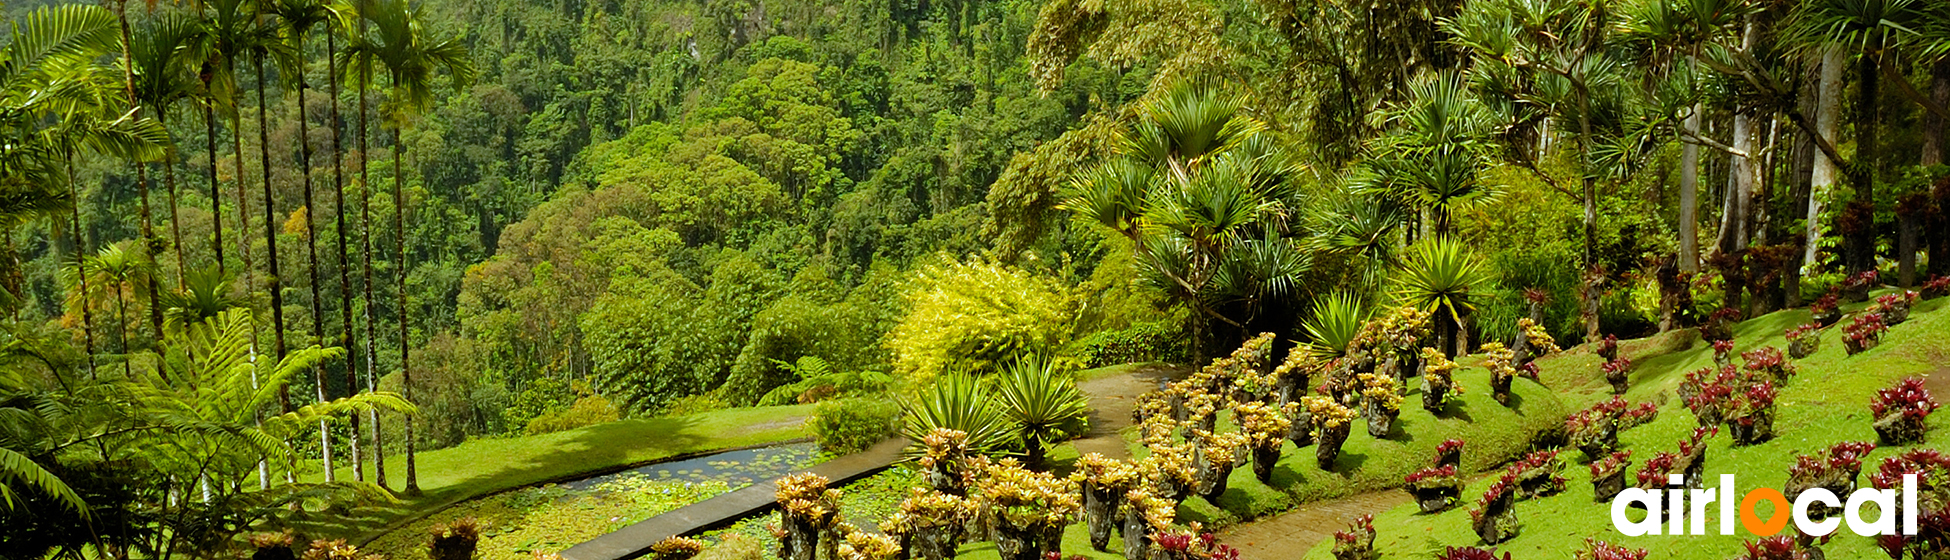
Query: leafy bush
x=853 y=425
x=1148 y=342
x=695 y=404
x=972 y=316
x=587 y=411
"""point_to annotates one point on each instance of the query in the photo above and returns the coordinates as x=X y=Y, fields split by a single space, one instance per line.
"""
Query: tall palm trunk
x=275 y=283
x=244 y=245
x=1939 y=226
x=169 y=184
x=141 y=170
x=81 y=252
x=345 y=275
x=1689 y=195
x=1742 y=171
x=1862 y=235
x=1828 y=110
x=365 y=231
x=405 y=358
x=216 y=207
x=311 y=268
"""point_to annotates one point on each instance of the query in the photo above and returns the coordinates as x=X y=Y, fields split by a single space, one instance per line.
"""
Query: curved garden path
x=1113 y=394
x=1294 y=533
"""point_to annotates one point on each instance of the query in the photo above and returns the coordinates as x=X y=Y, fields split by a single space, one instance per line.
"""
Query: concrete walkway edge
x=635 y=540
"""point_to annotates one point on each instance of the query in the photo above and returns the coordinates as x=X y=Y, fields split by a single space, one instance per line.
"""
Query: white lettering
x=1885 y=501
x=1647 y=526
x=1809 y=526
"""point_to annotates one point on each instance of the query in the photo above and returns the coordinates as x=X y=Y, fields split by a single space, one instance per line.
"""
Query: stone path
x=1112 y=398
x=1292 y=534
x=635 y=540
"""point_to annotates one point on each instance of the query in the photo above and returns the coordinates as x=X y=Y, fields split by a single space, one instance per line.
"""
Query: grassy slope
x=486 y=466
x=1825 y=404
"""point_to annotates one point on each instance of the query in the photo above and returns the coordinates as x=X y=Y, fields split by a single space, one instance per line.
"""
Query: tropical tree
x=1433 y=153
x=1202 y=191
x=1041 y=399
x=150 y=246
x=163 y=51
x=116 y=273
x=298 y=17
x=957 y=402
x=1444 y=278
x=1871 y=31
x=412 y=57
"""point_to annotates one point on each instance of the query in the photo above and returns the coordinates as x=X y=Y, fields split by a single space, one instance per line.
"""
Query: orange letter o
x=1753 y=523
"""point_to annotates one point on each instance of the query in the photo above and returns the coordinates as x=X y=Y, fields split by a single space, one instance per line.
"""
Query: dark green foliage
x=852 y=425
x=1148 y=342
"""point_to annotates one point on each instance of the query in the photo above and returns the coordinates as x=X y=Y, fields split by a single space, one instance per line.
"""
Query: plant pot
x=1901 y=429
x=1436 y=498
x=1302 y=431
x=1716 y=329
x=1709 y=416
x=938 y=543
x=1539 y=483
x=1023 y=542
x=1099 y=514
x=1859 y=345
x=1498 y=522
x=1264 y=459
x=1619 y=380
x=1137 y=536
x=1606 y=487
x=1434 y=397
x=1380 y=420
x=1895 y=313
x=1805 y=346
x=1816 y=511
x=1500 y=389
x=1826 y=317
x=1329 y=447
x=1754 y=428
x=1213 y=478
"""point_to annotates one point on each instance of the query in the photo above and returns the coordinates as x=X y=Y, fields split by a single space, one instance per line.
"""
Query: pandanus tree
x=1433 y=153
x=412 y=57
x=1202 y=191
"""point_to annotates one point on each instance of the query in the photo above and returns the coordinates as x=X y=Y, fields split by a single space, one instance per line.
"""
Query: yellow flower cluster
x=1266 y=425
x=861 y=545
x=943 y=445
x=1158 y=512
x=1326 y=413
x=806 y=496
x=1221 y=448
x=1025 y=497
x=1539 y=337
x=1382 y=390
x=928 y=509
x=1437 y=369
x=1403 y=329
x=1104 y=472
x=1502 y=360
x=677 y=547
x=1169 y=464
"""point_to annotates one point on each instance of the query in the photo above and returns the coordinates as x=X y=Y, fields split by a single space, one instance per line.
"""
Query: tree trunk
x=1828 y=110
x=271 y=243
x=311 y=268
x=244 y=249
x=1689 y=196
x=1862 y=238
x=216 y=209
x=365 y=234
x=345 y=274
x=405 y=349
x=1743 y=170
x=141 y=174
x=1939 y=226
x=81 y=252
x=175 y=222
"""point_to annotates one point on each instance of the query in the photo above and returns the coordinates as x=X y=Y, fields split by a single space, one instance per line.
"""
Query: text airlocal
x=1684 y=511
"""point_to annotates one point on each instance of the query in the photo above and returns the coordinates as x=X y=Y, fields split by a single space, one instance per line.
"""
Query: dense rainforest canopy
x=493 y=217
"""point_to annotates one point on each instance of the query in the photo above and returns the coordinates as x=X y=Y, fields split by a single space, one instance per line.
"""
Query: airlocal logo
x=1672 y=509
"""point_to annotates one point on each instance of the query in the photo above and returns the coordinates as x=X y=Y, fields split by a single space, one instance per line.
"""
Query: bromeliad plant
x=929 y=524
x=1145 y=515
x=861 y=545
x=1534 y=342
x=1601 y=550
x=1104 y=482
x=1449 y=453
x=1332 y=422
x=1750 y=413
x=1471 y=553
x=1595 y=430
x=1900 y=412
x=1932 y=471
x=1494 y=518
x=808 y=512
x=1439 y=385
x=1836 y=471
x=944 y=460
x=1294 y=374
x=1503 y=370
x=1025 y=510
x=1863 y=333
x=1381 y=399
x=1357 y=542
x=1723 y=352
x=1538 y=474
x=1895 y=307
x=674 y=548
x=1193 y=543
x=1768 y=363
x=1618 y=373
x=1216 y=455
x=1937 y=287
x=1266 y=429
x=1608 y=348
x=1608 y=475
x=1804 y=340
x=1706 y=392
x=1435 y=488
x=1719 y=325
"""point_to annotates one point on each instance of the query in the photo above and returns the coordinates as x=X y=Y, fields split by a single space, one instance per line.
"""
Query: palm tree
x=117 y=272
x=364 y=77
x=149 y=245
x=1671 y=36
x=411 y=58
x=299 y=16
x=162 y=51
x=1868 y=29
x=1431 y=158
x=342 y=13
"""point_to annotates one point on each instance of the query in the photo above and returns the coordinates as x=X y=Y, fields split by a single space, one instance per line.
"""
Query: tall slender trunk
x=216 y=207
x=244 y=250
x=141 y=173
x=311 y=268
x=1939 y=226
x=1743 y=170
x=1588 y=292
x=169 y=184
x=345 y=275
x=405 y=349
x=1828 y=122
x=1689 y=195
x=1862 y=238
x=275 y=286
x=365 y=234
x=81 y=275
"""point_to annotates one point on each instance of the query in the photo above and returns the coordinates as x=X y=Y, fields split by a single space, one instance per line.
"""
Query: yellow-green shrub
x=972 y=316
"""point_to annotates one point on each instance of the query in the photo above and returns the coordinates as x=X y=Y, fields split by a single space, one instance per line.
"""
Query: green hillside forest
x=1137 y=279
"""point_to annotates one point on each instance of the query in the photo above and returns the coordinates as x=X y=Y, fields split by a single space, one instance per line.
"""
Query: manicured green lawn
x=1825 y=404
x=490 y=465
